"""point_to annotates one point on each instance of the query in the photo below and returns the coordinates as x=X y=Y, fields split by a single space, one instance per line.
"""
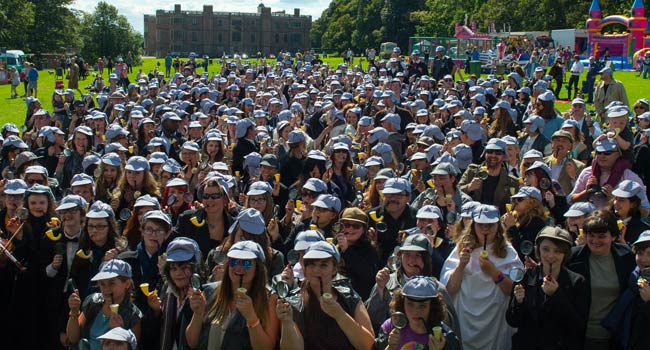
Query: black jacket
x=549 y=322
x=388 y=241
x=242 y=148
x=360 y=266
x=623 y=260
x=634 y=228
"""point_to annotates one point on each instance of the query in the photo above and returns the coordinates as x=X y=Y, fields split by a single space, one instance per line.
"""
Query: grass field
x=13 y=109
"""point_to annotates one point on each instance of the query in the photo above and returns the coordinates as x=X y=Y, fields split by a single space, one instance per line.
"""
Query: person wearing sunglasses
x=604 y=173
x=490 y=183
x=207 y=223
x=250 y=225
x=357 y=251
x=36 y=174
x=252 y=323
x=173 y=308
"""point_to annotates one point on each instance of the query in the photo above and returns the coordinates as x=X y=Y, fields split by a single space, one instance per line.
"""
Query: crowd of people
x=299 y=205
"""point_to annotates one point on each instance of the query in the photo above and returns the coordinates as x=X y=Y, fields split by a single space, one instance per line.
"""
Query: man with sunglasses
x=564 y=168
x=490 y=183
x=603 y=175
x=394 y=214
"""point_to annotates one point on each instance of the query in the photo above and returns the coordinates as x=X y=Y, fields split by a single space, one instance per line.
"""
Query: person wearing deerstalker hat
x=360 y=256
x=476 y=275
x=245 y=144
x=394 y=213
x=490 y=182
x=630 y=201
x=114 y=280
x=564 y=324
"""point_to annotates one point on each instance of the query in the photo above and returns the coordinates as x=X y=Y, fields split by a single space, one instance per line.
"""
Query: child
x=629 y=319
x=109 y=308
x=425 y=310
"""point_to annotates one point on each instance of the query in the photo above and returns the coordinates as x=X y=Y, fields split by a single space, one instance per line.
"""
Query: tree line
x=42 y=27
x=360 y=24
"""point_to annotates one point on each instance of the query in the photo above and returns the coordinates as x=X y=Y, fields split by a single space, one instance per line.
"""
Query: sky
x=134 y=11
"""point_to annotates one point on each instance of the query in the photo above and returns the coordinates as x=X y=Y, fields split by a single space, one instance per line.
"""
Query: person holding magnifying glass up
x=548 y=307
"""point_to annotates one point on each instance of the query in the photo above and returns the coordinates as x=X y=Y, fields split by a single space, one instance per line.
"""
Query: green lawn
x=13 y=110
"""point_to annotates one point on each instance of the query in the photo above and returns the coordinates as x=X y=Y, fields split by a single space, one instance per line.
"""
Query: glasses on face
x=449 y=80
x=257 y=200
x=14 y=197
x=352 y=225
x=517 y=200
x=212 y=195
x=608 y=153
x=309 y=194
x=97 y=227
x=34 y=181
x=246 y=264
x=154 y=232
x=68 y=211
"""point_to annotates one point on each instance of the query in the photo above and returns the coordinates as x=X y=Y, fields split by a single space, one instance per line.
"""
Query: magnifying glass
x=394 y=263
x=526 y=247
x=516 y=274
x=399 y=320
x=125 y=214
x=293 y=256
x=282 y=288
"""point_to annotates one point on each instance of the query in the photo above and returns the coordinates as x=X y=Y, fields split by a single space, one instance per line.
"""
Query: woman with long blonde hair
x=476 y=278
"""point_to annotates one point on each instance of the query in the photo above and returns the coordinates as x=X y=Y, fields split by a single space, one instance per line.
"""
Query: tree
x=54 y=27
x=15 y=16
x=107 y=33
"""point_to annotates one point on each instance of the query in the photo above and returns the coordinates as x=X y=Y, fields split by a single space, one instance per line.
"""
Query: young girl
x=241 y=314
x=26 y=299
x=173 y=309
x=135 y=181
x=549 y=308
x=424 y=309
x=110 y=170
x=70 y=163
x=99 y=242
x=174 y=198
x=102 y=311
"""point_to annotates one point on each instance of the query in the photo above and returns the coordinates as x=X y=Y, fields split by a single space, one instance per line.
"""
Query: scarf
x=615 y=174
